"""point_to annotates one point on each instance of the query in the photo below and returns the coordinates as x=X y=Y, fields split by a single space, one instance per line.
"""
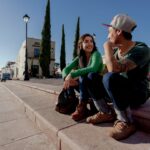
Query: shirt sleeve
x=69 y=67
x=95 y=65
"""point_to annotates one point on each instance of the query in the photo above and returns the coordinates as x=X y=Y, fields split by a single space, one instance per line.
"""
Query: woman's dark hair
x=81 y=52
x=127 y=36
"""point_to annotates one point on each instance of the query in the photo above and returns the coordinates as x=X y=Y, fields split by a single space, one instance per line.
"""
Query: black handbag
x=66 y=103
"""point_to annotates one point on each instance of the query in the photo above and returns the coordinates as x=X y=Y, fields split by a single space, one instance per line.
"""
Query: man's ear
x=119 y=32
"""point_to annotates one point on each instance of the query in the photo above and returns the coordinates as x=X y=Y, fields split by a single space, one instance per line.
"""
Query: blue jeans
x=84 y=94
x=81 y=88
x=95 y=86
x=122 y=92
x=90 y=86
x=97 y=92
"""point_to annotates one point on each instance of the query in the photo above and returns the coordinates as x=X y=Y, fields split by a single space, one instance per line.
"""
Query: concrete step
x=65 y=133
x=141 y=115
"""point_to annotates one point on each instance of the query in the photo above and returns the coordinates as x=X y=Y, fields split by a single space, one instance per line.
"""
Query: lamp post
x=26 y=73
x=94 y=35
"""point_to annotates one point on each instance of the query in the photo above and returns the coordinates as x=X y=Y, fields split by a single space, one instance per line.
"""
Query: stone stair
x=142 y=116
x=67 y=134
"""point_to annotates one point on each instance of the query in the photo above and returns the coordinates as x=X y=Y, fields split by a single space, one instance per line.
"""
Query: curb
x=41 y=89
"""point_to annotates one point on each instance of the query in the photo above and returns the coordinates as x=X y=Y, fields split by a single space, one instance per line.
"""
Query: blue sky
x=92 y=14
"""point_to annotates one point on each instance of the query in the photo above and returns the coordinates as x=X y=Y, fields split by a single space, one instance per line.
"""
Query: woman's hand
x=68 y=77
x=69 y=81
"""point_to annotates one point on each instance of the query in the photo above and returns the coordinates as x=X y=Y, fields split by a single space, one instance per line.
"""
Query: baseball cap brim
x=106 y=25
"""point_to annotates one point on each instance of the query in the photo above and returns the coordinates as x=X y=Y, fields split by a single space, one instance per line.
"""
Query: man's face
x=113 y=35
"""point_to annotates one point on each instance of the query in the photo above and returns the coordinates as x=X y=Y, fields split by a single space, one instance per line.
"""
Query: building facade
x=33 y=52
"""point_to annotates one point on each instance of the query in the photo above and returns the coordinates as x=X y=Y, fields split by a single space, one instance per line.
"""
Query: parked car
x=5 y=76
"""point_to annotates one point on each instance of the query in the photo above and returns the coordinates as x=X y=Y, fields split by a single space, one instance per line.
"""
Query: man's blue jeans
x=122 y=92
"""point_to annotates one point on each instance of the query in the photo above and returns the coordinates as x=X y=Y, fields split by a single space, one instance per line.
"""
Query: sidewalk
x=66 y=133
x=17 y=132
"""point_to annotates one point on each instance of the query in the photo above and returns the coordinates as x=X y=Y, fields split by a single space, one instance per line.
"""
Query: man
x=126 y=82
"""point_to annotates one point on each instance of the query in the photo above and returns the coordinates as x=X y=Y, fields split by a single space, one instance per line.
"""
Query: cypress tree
x=62 y=51
x=77 y=35
x=46 y=43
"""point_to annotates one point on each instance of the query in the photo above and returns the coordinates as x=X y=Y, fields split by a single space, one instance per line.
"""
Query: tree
x=62 y=51
x=46 y=43
x=77 y=35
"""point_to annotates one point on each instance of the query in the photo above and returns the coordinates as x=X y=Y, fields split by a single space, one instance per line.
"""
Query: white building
x=33 y=51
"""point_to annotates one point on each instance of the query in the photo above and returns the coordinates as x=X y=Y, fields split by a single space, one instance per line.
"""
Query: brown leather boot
x=81 y=112
x=122 y=130
x=100 y=117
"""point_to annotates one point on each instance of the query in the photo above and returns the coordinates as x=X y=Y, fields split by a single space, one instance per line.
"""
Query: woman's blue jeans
x=81 y=88
x=95 y=86
x=90 y=86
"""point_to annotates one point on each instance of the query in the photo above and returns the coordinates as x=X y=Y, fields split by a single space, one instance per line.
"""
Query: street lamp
x=26 y=73
x=94 y=35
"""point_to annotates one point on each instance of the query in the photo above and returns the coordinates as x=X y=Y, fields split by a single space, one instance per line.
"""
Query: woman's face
x=87 y=44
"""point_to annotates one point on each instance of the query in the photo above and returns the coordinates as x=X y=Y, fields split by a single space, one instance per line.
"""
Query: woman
x=85 y=68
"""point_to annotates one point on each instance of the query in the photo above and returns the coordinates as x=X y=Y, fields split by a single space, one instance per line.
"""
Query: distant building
x=33 y=52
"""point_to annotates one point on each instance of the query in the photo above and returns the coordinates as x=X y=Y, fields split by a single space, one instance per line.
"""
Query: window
x=36 y=52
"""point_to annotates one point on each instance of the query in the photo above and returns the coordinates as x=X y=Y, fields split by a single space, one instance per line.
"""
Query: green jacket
x=95 y=65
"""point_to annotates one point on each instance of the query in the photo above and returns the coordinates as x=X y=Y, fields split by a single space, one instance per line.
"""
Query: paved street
x=17 y=132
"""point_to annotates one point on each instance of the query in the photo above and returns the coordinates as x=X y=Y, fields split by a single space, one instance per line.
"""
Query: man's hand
x=109 y=58
x=113 y=65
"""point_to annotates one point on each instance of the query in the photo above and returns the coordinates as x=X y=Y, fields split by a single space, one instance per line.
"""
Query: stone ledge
x=69 y=135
